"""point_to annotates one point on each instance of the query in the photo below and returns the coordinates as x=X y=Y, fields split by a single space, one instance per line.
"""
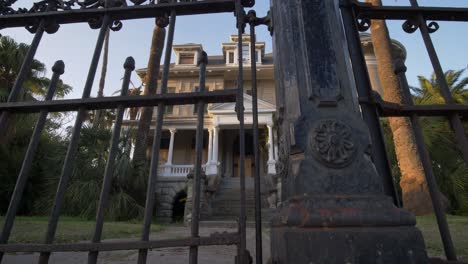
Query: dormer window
x=230 y=57
x=187 y=59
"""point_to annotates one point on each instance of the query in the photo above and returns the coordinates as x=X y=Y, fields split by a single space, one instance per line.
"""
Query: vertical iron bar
x=369 y=113
x=154 y=165
x=258 y=204
x=444 y=230
x=240 y=15
x=22 y=74
x=67 y=169
x=454 y=119
x=129 y=66
x=196 y=188
x=58 y=69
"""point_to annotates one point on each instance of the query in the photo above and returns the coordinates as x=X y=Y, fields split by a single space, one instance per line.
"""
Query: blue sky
x=74 y=44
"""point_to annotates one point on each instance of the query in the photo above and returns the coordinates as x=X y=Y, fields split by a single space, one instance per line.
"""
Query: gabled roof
x=229 y=108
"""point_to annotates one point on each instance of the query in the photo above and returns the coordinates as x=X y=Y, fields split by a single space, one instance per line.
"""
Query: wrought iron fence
x=47 y=16
x=358 y=17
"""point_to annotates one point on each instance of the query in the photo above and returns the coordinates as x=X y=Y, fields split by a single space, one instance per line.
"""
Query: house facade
x=221 y=136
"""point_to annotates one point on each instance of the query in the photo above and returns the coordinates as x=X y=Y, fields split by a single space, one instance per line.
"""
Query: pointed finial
x=59 y=67
x=202 y=58
x=129 y=63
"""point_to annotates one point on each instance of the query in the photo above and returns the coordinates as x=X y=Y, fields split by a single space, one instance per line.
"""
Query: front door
x=249 y=166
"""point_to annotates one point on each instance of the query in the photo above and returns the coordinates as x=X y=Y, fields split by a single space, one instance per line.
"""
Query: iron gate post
x=334 y=208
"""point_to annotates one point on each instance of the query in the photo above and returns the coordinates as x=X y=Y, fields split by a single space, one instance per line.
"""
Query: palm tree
x=35 y=86
x=429 y=91
x=11 y=57
x=448 y=165
x=151 y=83
x=98 y=117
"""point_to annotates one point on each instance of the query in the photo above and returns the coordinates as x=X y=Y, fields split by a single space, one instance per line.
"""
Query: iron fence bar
x=154 y=165
x=364 y=89
x=129 y=66
x=434 y=192
x=67 y=169
x=196 y=188
x=240 y=14
x=220 y=96
x=58 y=69
x=389 y=109
x=22 y=74
x=213 y=240
x=258 y=204
x=119 y=13
x=454 y=119
x=364 y=10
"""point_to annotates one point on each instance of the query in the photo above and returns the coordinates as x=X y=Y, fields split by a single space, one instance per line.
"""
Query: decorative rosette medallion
x=332 y=142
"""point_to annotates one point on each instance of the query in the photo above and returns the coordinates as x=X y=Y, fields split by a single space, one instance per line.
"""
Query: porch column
x=210 y=145
x=215 y=145
x=171 y=146
x=271 y=154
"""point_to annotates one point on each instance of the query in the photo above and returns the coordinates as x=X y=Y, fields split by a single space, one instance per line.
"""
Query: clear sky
x=74 y=44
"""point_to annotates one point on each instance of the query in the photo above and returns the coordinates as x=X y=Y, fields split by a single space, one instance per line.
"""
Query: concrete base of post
x=345 y=229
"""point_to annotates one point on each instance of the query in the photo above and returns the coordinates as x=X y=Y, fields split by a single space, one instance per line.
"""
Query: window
x=170 y=108
x=245 y=53
x=230 y=57
x=187 y=58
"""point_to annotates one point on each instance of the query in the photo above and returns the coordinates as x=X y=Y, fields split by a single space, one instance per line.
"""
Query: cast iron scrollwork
x=433 y=27
x=411 y=25
x=267 y=20
x=332 y=143
x=363 y=24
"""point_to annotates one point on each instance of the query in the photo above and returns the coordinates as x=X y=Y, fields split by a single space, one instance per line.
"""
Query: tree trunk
x=151 y=84
x=415 y=192
x=99 y=113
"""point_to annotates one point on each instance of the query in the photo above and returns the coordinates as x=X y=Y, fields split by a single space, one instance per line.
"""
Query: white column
x=215 y=145
x=271 y=156
x=171 y=146
x=210 y=146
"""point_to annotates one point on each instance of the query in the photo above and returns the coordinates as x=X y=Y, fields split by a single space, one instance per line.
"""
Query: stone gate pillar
x=334 y=209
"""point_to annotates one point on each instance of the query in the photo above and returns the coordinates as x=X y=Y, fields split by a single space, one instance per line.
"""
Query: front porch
x=220 y=156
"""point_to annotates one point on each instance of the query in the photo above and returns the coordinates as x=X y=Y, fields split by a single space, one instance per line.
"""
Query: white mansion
x=221 y=141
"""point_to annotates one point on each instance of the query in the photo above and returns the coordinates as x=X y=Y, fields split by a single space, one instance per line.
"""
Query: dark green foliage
x=83 y=191
x=447 y=163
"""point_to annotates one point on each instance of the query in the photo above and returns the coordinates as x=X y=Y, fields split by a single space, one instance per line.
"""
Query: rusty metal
x=365 y=10
x=84 y=15
x=129 y=66
x=18 y=85
x=434 y=192
x=369 y=113
x=357 y=17
x=195 y=219
x=58 y=69
x=213 y=240
x=154 y=165
x=242 y=247
x=221 y=96
x=454 y=119
x=47 y=16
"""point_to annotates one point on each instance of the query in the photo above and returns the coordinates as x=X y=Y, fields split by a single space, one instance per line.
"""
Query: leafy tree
x=12 y=55
x=82 y=196
x=447 y=163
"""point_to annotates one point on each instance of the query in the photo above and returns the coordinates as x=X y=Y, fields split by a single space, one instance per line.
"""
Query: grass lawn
x=458 y=228
x=71 y=229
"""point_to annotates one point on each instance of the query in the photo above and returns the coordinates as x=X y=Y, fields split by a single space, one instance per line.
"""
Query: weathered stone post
x=333 y=209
